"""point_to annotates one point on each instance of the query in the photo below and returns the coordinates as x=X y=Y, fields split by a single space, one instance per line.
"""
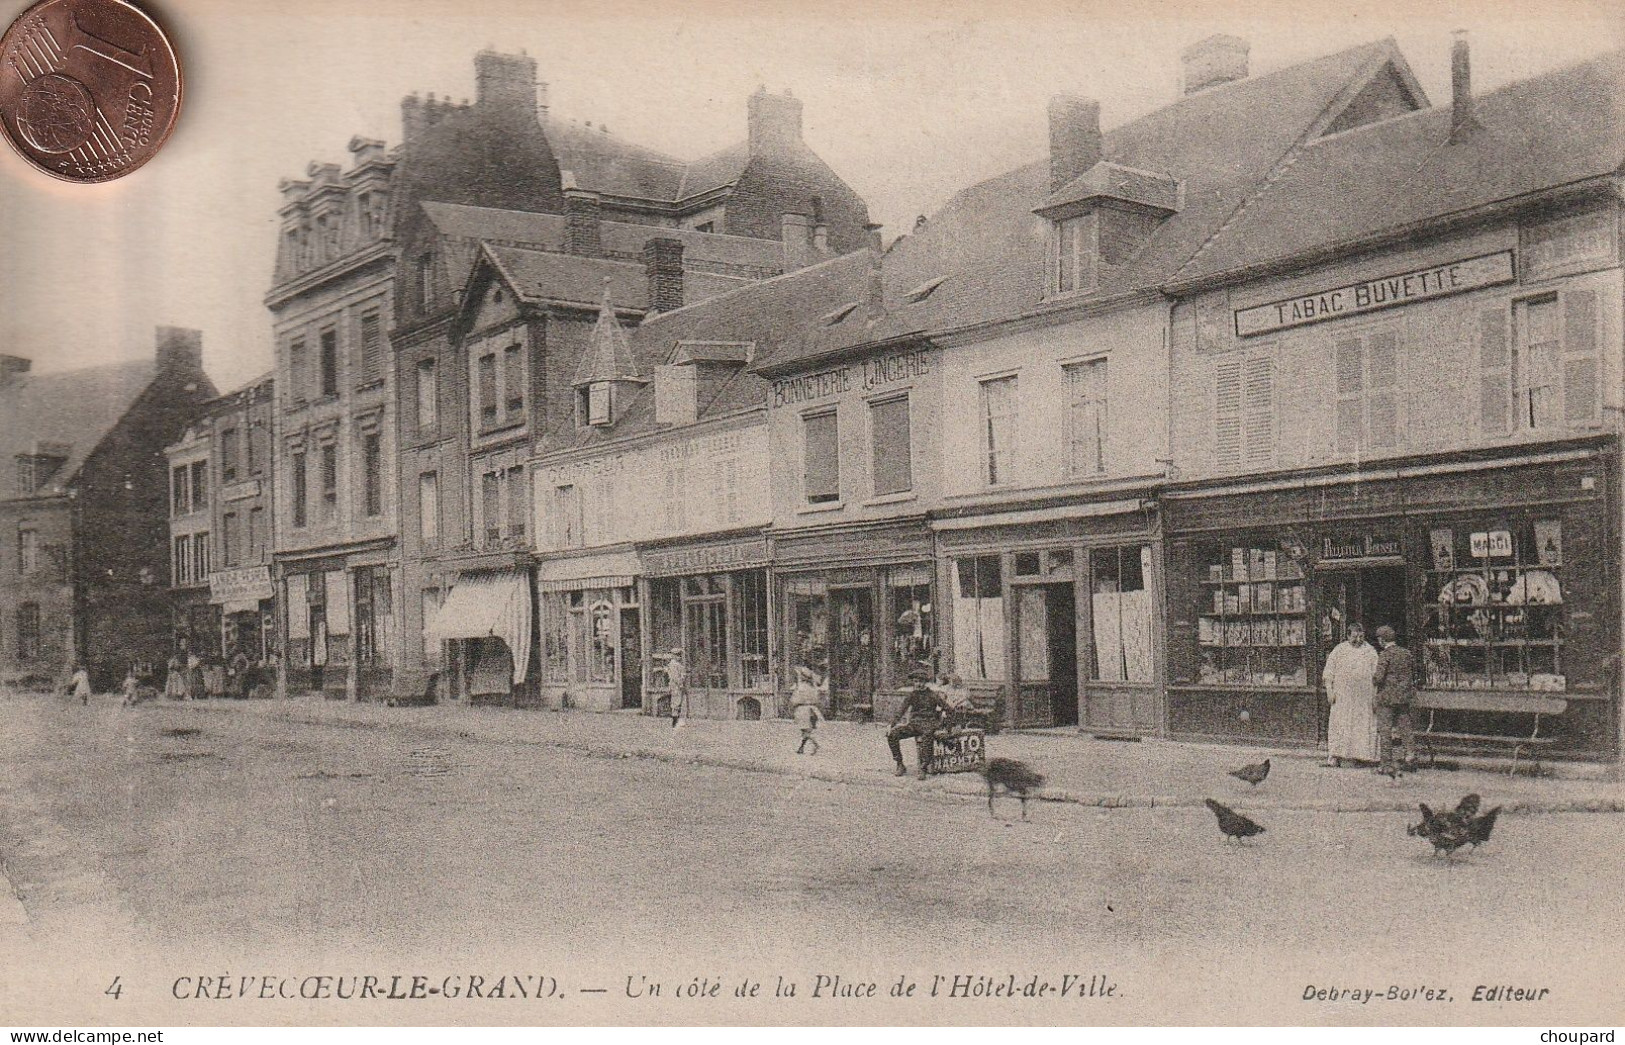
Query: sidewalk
x=1081 y=770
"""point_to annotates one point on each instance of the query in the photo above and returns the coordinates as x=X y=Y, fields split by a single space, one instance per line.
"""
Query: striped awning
x=606 y=570
x=488 y=606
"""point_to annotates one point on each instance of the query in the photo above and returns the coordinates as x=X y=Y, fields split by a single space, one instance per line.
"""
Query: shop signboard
x=709 y=558
x=1452 y=277
x=1359 y=546
x=959 y=751
x=250 y=584
x=1492 y=544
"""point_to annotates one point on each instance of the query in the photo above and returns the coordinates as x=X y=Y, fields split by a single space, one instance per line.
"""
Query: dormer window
x=1076 y=245
x=597 y=404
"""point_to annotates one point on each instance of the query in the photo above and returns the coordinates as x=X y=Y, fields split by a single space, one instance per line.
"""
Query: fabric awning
x=608 y=570
x=488 y=606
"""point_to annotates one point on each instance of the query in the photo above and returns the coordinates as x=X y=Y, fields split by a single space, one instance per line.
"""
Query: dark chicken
x=1016 y=778
x=1446 y=832
x=1478 y=831
x=1232 y=823
x=1253 y=774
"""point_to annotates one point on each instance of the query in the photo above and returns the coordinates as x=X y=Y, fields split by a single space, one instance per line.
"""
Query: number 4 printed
x=114 y=989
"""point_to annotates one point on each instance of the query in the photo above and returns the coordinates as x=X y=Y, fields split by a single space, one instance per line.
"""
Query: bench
x=1533 y=704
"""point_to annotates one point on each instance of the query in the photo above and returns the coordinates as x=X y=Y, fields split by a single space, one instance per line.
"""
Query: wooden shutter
x=823 y=470
x=1580 y=366
x=1382 y=381
x=1350 y=366
x=1258 y=410
x=1495 y=372
x=889 y=430
x=1227 y=413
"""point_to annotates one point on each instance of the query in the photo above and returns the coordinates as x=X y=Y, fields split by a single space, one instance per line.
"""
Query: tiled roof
x=603 y=162
x=609 y=354
x=764 y=314
x=1549 y=131
x=1222 y=143
x=489 y=223
x=714 y=171
x=542 y=276
x=72 y=408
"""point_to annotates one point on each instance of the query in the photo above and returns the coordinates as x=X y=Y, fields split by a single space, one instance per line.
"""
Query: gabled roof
x=1221 y=143
x=764 y=314
x=719 y=169
x=73 y=409
x=543 y=277
x=609 y=354
x=1546 y=132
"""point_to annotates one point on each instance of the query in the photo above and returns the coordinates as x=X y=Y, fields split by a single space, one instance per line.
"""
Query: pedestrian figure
x=1395 y=682
x=677 y=681
x=130 y=687
x=919 y=717
x=1351 y=732
x=194 y=677
x=804 y=702
x=175 y=678
x=79 y=685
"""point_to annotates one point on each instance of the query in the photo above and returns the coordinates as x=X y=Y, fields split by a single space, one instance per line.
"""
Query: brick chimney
x=583 y=213
x=1216 y=60
x=13 y=367
x=1462 y=123
x=180 y=351
x=1074 y=138
x=506 y=83
x=774 y=120
x=413 y=123
x=663 y=264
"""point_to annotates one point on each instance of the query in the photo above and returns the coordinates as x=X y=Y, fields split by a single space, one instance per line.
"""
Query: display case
x=1253 y=626
x=1494 y=612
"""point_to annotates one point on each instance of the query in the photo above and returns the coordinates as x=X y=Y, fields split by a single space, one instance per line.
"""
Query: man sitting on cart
x=920 y=716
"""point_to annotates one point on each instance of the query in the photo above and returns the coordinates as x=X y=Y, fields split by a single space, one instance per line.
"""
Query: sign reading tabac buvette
x=1454 y=277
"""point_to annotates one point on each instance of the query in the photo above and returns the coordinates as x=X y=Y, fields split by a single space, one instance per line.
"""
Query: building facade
x=336 y=559
x=504 y=281
x=84 y=571
x=1402 y=408
x=220 y=526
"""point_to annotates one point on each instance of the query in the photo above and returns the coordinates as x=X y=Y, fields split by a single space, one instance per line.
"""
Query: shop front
x=246 y=601
x=487 y=627
x=1053 y=613
x=1499 y=574
x=590 y=642
x=316 y=602
x=708 y=599
x=858 y=607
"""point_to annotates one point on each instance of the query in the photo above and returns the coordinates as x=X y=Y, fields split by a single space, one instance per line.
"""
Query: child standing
x=79 y=685
x=804 y=701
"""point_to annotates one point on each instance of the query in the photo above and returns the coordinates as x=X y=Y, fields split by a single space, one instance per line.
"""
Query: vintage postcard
x=913 y=514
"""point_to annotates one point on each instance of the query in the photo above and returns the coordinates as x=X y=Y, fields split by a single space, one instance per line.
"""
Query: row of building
x=1125 y=437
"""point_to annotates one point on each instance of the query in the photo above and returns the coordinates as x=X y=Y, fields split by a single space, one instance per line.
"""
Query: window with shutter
x=518 y=502
x=1382 y=381
x=1350 y=364
x=1227 y=413
x=822 y=458
x=889 y=432
x=1580 y=366
x=1535 y=364
x=1495 y=372
x=372 y=348
x=1259 y=411
x=488 y=390
x=1086 y=417
x=998 y=429
x=491 y=507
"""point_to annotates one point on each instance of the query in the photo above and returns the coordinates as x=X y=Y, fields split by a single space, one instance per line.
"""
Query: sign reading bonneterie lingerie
x=1454 y=277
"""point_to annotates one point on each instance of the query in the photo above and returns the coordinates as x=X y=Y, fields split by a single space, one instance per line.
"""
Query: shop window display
x=1494 y=612
x=1253 y=627
x=979 y=638
x=1121 y=609
x=913 y=621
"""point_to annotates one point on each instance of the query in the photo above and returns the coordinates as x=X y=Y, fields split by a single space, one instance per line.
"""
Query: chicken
x=1017 y=778
x=1478 y=831
x=1253 y=774
x=1467 y=808
x=1232 y=823
x=1445 y=831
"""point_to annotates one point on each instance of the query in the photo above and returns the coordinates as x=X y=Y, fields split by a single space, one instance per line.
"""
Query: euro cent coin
x=89 y=89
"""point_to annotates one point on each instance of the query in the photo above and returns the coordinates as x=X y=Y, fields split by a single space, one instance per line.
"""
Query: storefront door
x=1047 y=655
x=852 y=650
x=1370 y=596
x=631 y=657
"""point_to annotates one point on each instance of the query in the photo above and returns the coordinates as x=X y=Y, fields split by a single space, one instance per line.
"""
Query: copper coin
x=89 y=89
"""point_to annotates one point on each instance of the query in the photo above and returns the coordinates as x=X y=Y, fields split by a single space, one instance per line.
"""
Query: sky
x=908 y=100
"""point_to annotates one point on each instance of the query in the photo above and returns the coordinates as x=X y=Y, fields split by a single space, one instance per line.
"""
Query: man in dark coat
x=921 y=717
x=1396 y=688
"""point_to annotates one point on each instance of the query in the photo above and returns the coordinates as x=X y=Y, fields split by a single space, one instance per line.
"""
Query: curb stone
x=940 y=786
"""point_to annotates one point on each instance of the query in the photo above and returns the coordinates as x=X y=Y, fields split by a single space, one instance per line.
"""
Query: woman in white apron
x=1351 y=735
